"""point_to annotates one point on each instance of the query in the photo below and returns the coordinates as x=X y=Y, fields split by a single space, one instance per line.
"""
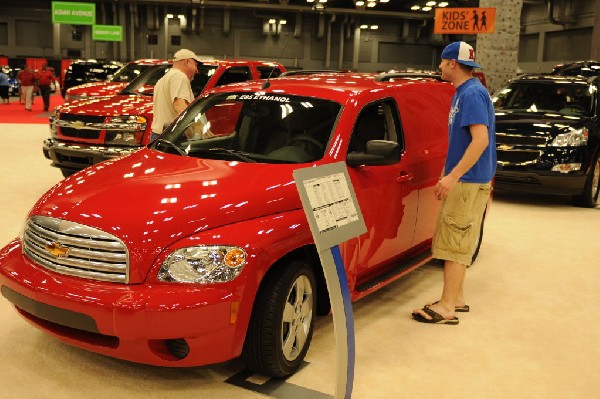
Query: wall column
x=595 y=53
x=497 y=52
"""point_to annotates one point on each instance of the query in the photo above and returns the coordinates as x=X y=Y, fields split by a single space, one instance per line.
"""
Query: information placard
x=331 y=207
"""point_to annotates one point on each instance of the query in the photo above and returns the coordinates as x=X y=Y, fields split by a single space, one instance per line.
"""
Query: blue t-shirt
x=471 y=105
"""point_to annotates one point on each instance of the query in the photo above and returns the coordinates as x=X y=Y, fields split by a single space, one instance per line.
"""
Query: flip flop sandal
x=464 y=308
x=436 y=318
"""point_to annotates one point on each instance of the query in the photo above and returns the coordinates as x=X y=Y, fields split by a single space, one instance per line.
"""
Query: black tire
x=591 y=190
x=282 y=321
x=67 y=172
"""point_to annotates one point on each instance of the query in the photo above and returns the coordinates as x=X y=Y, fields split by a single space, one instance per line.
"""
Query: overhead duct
x=135 y=15
x=557 y=21
x=298 y=25
x=420 y=28
x=226 y=22
x=321 y=26
x=342 y=38
x=201 y=24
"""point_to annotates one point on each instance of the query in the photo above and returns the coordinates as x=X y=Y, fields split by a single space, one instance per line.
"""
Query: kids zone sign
x=469 y=21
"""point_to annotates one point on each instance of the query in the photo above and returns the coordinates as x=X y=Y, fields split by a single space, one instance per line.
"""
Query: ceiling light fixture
x=426 y=8
x=443 y=4
x=415 y=8
x=430 y=3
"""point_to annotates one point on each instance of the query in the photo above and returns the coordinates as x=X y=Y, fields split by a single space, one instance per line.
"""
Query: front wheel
x=282 y=321
x=591 y=190
x=67 y=172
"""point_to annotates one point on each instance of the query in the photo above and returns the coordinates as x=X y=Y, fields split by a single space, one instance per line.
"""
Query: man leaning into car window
x=173 y=92
x=465 y=185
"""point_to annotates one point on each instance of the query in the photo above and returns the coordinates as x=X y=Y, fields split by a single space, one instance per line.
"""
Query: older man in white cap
x=173 y=92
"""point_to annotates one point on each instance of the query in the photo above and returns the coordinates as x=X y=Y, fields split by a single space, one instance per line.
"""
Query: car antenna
x=267 y=83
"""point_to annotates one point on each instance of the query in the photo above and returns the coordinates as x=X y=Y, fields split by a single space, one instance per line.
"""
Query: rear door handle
x=404 y=177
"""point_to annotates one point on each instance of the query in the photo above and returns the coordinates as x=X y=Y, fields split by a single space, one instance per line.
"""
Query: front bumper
x=139 y=323
x=78 y=156
x=531 y=181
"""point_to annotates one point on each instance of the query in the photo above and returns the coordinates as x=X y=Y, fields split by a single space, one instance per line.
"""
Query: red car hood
x=97 y=89
x=120 y=104
x=150 y=199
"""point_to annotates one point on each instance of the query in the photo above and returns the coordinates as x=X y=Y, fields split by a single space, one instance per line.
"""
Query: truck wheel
x=282 y=321
x=589 y=196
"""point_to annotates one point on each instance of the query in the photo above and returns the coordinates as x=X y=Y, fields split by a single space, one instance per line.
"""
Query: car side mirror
x=377 y=152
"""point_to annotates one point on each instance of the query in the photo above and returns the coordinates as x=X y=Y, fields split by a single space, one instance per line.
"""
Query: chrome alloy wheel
x=297 y=317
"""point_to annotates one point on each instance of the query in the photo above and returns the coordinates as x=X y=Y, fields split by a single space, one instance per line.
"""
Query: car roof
x=338 y=87
x=545 y=78
x=149 y=61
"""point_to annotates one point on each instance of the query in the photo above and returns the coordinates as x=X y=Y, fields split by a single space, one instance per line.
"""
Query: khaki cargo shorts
x=459 y=222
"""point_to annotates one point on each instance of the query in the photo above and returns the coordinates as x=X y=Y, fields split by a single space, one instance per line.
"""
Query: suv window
x=564 y=98
x=377 y=121
x=235 y=75
x=267 y=72
x=129 y=72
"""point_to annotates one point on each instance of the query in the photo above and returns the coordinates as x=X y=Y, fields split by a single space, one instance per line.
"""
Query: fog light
x=566 y=167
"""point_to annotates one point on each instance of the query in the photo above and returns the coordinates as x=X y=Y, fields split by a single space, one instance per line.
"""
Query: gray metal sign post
x=334 y=216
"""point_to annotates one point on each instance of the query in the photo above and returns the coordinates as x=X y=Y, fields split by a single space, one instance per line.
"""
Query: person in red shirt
x=26 y=82
x=45 y=78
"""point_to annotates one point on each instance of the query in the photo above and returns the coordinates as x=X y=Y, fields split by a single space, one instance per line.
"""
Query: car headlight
x=73 y=97
x=574 y=138
x=125 y=129
x=203 y=264
x=53 y=118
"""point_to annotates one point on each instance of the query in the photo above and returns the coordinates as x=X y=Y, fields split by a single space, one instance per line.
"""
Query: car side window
x=377 y=121
x=234 y=75
x=267 y=72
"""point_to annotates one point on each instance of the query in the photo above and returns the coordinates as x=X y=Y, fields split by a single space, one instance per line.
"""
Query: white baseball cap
x=461 y=52
x=185 y=54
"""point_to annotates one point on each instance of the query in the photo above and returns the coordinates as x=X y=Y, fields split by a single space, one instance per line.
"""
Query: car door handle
x=404 y=177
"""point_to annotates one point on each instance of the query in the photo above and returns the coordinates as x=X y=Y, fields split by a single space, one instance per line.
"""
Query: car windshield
x=252 y=127
x=129 y=72
x=548 y=97
x=145 y=82
x=91 y=72
x=579 y=70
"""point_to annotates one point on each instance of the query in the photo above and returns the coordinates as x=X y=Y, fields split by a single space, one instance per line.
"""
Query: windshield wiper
x=169 y=144
x=236 y=154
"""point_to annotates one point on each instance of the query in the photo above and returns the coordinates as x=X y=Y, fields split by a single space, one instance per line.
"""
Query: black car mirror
x=377 y=152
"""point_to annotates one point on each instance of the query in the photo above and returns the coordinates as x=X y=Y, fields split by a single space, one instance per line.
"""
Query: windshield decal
x=263 y=97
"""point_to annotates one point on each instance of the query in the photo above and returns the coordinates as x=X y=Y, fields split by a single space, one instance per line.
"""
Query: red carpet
x=15 y=112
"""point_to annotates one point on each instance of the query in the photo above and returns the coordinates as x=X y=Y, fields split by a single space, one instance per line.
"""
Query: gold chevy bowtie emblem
x=57 y=250
x=77 y=125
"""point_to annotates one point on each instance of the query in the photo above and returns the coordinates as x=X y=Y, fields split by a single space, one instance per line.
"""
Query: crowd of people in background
x=30 y=82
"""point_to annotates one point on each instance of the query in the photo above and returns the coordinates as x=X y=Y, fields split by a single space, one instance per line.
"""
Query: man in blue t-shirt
x=465 y=183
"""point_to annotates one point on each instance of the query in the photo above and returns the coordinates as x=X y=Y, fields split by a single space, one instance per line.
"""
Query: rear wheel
x=282 y=322
x=589 y=196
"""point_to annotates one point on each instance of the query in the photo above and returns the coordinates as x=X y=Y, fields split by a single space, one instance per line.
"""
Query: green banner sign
x=109 y=33
x=73 y=13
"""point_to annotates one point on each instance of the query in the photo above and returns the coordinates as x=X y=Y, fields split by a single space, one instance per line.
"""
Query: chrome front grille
x=76 y=250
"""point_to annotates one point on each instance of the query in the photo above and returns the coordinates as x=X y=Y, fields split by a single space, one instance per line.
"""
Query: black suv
x=547 y=135
x=87 y=71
